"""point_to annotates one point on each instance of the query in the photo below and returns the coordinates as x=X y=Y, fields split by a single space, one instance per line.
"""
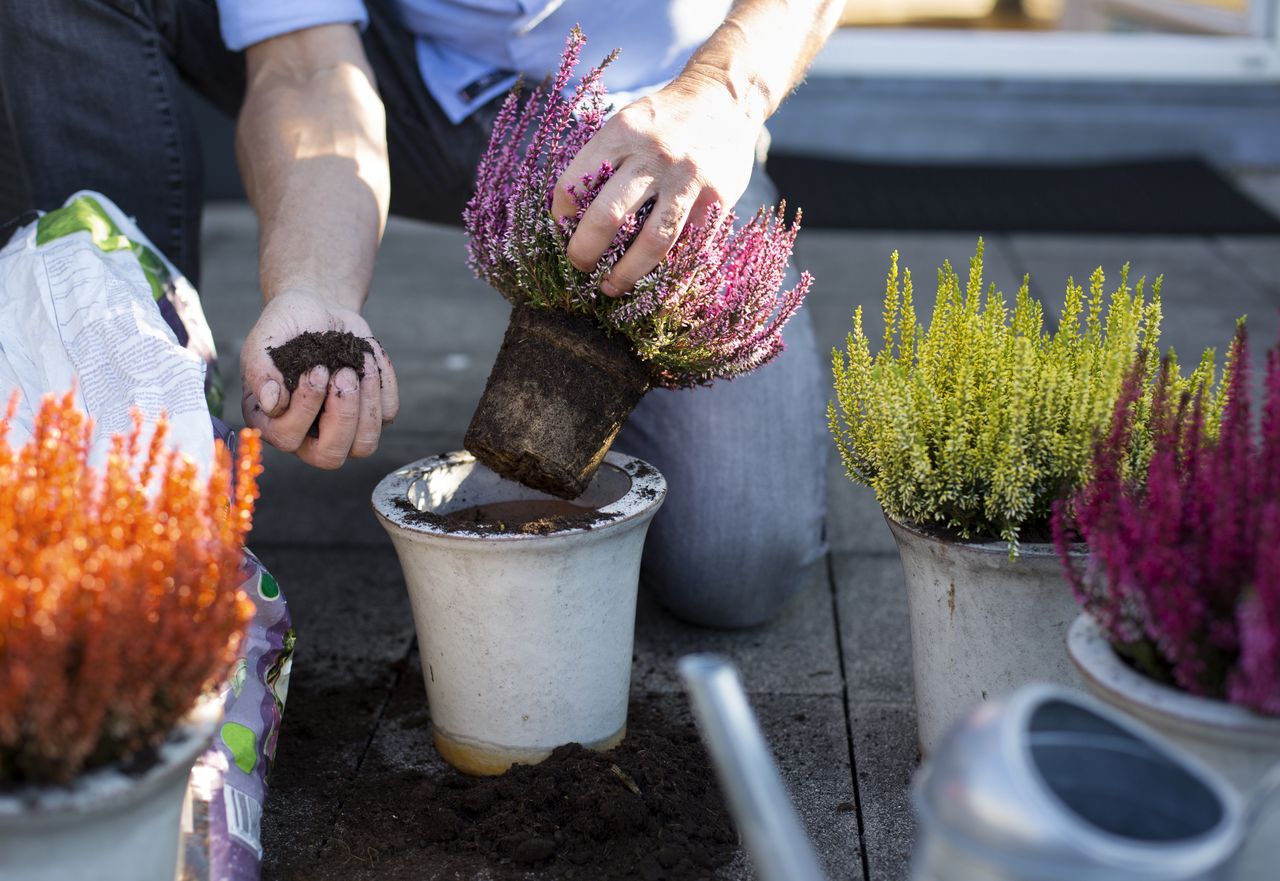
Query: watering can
x=1045 y=785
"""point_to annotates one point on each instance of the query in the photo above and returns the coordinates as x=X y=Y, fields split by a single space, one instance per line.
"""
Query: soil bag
x=85 y=298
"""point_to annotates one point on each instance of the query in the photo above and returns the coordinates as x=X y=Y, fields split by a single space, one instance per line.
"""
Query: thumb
x=264 y=381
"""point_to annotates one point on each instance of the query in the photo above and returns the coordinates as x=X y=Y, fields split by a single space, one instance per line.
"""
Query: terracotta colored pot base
x=489 y=760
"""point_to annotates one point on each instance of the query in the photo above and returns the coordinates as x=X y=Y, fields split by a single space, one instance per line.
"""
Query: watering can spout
x=768 y=824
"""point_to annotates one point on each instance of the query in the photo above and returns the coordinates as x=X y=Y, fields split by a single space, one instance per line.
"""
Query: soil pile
x=331 y=349
x=648 y=809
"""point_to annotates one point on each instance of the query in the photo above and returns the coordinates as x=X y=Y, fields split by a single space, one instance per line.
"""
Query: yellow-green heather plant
x=978 y=423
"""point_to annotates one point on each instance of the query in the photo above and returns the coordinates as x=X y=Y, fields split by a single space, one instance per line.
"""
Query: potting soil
x=647 y=809
x=533 y=517
x=331 y=349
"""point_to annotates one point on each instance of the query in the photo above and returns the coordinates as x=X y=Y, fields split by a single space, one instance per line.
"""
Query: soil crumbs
x=648 y=809
x=331 y=349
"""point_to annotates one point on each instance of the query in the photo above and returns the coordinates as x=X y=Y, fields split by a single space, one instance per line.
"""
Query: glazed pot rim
x=642 y=499
x=978 y=545
x=107 y=788
x=1103 y=669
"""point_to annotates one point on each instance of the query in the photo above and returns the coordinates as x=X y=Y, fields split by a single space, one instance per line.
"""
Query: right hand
x=351 y=410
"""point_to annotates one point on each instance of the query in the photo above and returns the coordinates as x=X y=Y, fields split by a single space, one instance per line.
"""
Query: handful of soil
x=331 y=349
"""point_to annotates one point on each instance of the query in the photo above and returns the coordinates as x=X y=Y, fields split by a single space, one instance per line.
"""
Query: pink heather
x=712 y=309
x=1184 y=560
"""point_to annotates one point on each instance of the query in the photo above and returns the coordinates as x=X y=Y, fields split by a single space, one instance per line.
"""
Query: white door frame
x=1022 y=55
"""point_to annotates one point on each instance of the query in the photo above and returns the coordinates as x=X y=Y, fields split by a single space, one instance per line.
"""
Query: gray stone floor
x=830 y=678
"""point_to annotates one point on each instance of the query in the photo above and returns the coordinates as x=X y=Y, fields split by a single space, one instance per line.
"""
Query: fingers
x=369 y=426
x=562 y=204
x=390 y=388
x=265 y=383
x=338 y=423
x=287 y=430
x=622 y=195
x=655 y=239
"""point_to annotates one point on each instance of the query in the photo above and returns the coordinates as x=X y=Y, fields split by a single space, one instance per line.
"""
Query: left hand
x=689 y=145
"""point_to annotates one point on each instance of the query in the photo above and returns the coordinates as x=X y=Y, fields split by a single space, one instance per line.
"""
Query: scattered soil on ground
x=508 y=518
x=331 y=349
x=648 y=809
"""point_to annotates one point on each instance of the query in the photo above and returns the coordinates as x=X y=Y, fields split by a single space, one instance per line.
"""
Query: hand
x=689 y=146
x=351 y=410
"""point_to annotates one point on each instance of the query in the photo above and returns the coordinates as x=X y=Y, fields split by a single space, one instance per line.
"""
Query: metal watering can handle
x=757 y=798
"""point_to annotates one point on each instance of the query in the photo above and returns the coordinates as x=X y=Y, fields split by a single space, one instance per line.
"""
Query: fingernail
x=346 y=381
x=609 y=289
x=318 y=378
x=270 y=395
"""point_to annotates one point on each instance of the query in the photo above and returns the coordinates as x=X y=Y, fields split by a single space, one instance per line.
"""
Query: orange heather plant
x=119 y=599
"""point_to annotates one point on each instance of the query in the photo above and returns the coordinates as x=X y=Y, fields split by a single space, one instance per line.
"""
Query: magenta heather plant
x=712 y=309
x=1184 y=558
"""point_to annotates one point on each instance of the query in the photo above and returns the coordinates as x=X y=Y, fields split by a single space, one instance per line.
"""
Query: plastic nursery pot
x=558 y=393
x=982 y=625
x=525 y=638
x=1238 y=743
x=110 y=824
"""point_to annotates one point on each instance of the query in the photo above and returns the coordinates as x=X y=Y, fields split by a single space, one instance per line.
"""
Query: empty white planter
x=107 y=825
x=525 y=639
x=982 y=625
x=1237 y=743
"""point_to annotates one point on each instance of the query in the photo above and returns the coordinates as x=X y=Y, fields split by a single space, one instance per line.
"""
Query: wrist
x=740 y=95
x=322 y=295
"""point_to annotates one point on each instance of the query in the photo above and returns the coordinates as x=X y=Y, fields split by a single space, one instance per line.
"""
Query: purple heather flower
x=1183 y=571
x=712 y=309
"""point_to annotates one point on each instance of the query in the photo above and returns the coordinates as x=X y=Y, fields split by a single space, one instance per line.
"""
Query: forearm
x=311 y=143
x=762 y=50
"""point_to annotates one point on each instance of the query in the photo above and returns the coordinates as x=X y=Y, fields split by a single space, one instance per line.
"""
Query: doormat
x=1178 y=196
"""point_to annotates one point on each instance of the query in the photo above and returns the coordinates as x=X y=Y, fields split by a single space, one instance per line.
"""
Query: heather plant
x=1183 y=570
x=119 y=600
x=978 y=423
x=712 y=309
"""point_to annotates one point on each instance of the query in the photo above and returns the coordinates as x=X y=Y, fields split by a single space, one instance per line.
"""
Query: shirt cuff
x=245 y=22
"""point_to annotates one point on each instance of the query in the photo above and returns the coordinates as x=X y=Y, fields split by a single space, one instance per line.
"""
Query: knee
x=735 y=581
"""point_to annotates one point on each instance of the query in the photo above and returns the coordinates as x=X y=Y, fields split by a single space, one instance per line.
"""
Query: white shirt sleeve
x=245 y=22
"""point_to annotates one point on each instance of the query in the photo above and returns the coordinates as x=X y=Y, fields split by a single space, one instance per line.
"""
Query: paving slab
x=304 y=505
x=1203 y=292
x=875 y=628
x=884 y=745
x=855 y=521
x=875 y=638
x=795 y=653
x=849 y=270
x=1257 y=256
x=354 y=630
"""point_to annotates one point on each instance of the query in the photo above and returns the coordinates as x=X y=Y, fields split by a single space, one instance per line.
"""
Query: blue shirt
x=470 y=51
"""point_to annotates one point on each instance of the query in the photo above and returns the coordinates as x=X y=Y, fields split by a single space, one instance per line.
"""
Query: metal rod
x=757 y=798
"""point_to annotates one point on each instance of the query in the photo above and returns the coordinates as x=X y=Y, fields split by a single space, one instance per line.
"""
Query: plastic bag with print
x=87 y=299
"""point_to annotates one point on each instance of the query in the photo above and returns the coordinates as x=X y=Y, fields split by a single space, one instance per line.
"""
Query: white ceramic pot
x=525 y=639
x=107 y=825
x=1239 y=744
x=982 y=625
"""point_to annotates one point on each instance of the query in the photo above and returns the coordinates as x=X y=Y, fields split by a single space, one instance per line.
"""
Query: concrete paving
x=830 y=677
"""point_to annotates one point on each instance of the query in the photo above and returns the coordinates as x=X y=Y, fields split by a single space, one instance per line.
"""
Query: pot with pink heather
x=1181 y=590
x=522 y=555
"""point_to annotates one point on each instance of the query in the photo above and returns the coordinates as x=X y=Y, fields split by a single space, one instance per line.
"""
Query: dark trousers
x=93 y=90
x=93 y=94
